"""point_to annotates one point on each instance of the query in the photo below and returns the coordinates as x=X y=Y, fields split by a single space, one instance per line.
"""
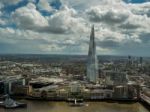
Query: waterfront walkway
x=145 y=98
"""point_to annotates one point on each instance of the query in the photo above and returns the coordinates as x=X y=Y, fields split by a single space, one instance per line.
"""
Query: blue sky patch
x=11 y=8
x=56 y=4
x=135 y=1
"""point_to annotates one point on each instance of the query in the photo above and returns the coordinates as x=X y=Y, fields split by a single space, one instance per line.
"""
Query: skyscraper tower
x=129 y=60
x=141 y=60
x=92 y=63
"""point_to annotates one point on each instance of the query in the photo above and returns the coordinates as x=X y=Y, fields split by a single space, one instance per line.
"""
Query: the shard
x=92 y=63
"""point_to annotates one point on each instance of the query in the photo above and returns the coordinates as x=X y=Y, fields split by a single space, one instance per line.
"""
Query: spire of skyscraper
x=92 y=64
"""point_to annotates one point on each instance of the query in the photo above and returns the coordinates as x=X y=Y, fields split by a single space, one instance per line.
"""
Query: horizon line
x=72 y=54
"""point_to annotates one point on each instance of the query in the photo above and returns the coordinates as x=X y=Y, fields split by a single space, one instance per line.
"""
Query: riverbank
x=119 y=101
x=55 y=106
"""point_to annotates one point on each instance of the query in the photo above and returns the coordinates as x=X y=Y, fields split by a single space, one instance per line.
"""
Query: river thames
x=43 y=106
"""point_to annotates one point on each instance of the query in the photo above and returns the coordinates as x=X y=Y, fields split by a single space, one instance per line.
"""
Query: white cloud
x=120 y=28
x=140 y=9
x=107 y=14
x=66 y=21
x=28 y=17
x=2 y=22
x=119 y=17
x=85 y=4
x=44 y=5
x=27 y=41
x=1 y=5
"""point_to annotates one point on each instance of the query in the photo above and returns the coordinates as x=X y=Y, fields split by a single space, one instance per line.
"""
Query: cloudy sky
x=122 y=27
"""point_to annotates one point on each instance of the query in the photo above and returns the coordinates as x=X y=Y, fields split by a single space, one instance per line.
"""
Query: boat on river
x=10 y=103
x=76 y=102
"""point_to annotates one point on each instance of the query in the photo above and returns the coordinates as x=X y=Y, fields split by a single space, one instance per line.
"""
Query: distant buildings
x=115 y=77
x=92 y=63
x=75 y=87
x=10 y=84
x=2 y=88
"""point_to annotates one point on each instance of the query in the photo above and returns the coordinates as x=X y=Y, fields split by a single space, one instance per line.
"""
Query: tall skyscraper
x=141 y=60
x=92 y=63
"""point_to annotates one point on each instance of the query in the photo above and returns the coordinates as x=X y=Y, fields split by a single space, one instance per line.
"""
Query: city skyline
x=62 y=26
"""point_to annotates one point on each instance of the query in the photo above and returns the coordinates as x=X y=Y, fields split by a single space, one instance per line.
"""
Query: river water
x=43 y=106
